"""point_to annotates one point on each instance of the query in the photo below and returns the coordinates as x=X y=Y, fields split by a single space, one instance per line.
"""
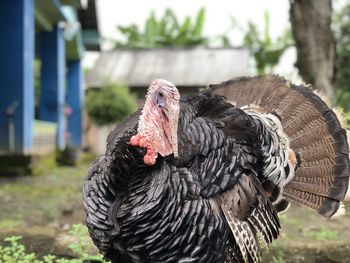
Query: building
x=190 y=69
x=56 y=33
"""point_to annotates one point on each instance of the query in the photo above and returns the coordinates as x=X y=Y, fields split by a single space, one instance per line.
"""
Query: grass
x=43 y=197
x=285 y=219
x=12 y=222
x=44 y=164
x=274 y=253
x=323 y=233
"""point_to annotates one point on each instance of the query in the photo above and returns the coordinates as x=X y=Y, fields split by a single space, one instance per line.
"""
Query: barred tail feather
x=315 y=134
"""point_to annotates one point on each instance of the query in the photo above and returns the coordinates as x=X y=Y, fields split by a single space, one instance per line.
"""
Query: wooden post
x=52 y=94
x=75 y=101
x=17 y=74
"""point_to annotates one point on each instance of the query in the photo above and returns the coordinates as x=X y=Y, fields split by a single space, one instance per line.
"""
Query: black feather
x=214 y=202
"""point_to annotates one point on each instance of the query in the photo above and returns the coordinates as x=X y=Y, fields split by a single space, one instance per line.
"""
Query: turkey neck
x=152 y=127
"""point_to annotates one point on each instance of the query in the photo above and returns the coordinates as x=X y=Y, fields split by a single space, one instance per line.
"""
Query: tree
x=311 y=27
x=165 y=32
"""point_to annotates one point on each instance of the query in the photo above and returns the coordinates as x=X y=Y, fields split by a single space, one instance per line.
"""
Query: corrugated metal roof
x=183 y=67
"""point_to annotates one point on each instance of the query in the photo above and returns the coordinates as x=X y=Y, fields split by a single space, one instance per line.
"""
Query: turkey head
x=158 y=123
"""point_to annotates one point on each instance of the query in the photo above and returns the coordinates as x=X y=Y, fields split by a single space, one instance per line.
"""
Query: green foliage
x=265 y=51
x=341 y=28
x=165 y=32
x=277 y=252
x=14 y=252
x=347 y=119
x=83 y=244
x=274 y=253
x=109 y=104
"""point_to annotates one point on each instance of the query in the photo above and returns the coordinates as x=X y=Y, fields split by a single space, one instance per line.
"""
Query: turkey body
x=216 y=202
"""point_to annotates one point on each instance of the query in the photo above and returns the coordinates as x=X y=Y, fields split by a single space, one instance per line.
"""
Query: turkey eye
x=161 y=94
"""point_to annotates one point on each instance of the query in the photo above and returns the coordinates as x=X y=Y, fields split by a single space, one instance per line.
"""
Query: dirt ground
x=54 y=200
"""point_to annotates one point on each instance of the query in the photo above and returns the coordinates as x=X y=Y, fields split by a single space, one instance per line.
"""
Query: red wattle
x=135 y=140
x=143 y=143
x=149 y=160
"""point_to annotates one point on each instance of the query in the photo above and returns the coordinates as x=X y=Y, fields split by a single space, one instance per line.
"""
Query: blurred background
x=72 y=69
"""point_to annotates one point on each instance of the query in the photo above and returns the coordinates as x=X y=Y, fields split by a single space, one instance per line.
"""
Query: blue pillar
x=75 y=100
x=52 y=94
x=17 y=73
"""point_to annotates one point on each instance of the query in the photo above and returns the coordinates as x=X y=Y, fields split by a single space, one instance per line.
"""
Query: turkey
x=203 y=178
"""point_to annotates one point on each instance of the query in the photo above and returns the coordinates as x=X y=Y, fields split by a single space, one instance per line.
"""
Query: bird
x=204 y=177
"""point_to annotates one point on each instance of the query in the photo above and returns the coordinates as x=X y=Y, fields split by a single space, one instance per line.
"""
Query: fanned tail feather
x=315 y=134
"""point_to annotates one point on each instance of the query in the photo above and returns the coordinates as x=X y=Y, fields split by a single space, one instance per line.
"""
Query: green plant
x=344 y=116
x=278 y=253
x=347 y=119
x=110 y=104
x=14 y=252
x=266 y=52
x=275 y=253
x=165 y=32
x=83 y=245
x=341 y=29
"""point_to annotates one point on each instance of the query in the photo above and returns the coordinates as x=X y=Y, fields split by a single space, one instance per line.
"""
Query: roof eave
x=47 y=14
x=76 y=3
x=91 y=40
